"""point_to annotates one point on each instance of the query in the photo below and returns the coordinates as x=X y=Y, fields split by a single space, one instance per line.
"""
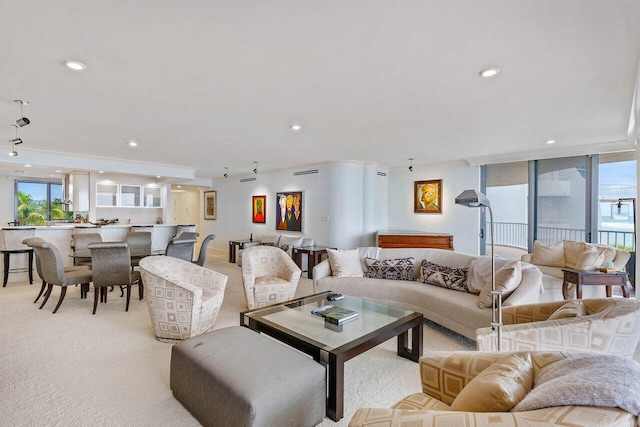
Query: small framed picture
x=210 y=204
x=259 y=210
x=427 y=196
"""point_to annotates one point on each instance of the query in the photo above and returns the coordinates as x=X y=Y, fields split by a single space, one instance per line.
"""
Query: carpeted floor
x=76 y=369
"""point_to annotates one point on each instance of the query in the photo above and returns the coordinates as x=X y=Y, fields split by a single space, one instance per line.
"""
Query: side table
x=314 y=256
x=594 y=278
x=233 y=245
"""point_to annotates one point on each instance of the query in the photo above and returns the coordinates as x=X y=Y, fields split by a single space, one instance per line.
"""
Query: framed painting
x=259 y=210
x=289 y=210
x=210 y=204
x=427 y=196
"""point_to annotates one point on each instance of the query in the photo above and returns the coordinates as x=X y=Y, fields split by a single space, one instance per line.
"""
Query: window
x=38 y=202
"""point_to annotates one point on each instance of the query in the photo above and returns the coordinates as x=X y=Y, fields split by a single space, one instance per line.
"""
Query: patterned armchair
x=269 y=276
x=183 y=298
x=444 y=375
x=610 y=326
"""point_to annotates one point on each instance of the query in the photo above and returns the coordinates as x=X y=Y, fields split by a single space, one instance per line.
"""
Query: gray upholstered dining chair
x=181 y=248
x=53 y=272
x=202 y=256
x=80 y=242
x=139 y=245
x=111 y=266
x=29 y=242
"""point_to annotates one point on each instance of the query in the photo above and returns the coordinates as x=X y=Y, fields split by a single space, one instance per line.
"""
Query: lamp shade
x=472 y=198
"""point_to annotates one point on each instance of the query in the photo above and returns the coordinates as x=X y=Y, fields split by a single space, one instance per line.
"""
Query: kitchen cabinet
x=128 y=195
x=79 y=186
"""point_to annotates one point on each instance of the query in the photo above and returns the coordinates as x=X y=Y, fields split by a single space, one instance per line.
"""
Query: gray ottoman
x=236 y=377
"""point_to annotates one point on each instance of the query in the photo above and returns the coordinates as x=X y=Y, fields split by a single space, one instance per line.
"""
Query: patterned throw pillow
x=440 y=275
x=392 y=269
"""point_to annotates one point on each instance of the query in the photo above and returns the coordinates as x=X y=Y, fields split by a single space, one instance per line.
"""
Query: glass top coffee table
x=292 y=323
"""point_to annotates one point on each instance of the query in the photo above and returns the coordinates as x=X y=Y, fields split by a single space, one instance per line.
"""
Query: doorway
x=185 y=206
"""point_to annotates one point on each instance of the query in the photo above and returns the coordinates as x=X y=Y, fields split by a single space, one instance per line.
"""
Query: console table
x=594 y=278
x=409 y=239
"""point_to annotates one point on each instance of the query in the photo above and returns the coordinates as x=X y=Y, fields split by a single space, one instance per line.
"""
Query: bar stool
x=11 y=243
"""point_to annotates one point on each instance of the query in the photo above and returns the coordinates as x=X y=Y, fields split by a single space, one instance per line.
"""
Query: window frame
x=48 y=182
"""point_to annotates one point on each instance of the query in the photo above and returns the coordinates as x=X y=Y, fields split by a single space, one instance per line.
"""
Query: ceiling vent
x=247 y=179
x=308 y=172
x=382 y=174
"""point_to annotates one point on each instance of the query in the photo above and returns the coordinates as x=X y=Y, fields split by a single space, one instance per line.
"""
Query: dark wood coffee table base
x=582 y=278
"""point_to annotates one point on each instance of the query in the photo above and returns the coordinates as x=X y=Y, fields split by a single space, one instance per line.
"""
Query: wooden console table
x=594 y=278
x=390 y=239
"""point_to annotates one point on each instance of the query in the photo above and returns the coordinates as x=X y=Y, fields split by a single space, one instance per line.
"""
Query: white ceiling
x=209 y=84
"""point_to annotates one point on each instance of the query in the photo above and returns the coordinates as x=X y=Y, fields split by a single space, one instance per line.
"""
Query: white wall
x=8 y=200
x=462 y=222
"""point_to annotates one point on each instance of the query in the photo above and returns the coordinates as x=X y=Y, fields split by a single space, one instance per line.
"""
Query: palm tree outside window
x=38 y=202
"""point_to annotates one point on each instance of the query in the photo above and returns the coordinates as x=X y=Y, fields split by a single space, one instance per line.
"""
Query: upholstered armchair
x=183 y=298
x=604 y=325
x=269 y=276
x=502 y=383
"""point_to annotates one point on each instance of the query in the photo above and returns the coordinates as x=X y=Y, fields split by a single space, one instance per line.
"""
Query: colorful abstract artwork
x=289 y=210
x=259 y=210
x=427 y=196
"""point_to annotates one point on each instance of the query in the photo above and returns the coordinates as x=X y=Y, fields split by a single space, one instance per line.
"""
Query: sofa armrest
x=436 y=368
x=528 y=313
x=526 y=258
x=322 y=269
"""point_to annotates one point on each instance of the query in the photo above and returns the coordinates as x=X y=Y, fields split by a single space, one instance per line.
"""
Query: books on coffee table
x=335 y=315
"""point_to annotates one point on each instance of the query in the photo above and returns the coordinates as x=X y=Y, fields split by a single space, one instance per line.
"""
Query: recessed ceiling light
x=551 y=141
x=100 y=171
x=179 y=186
x=58 y=171
x=296 y=127
x=158 y=176
x=75 y=65
x=27 y=166
x=489 y=72
x=133 y=143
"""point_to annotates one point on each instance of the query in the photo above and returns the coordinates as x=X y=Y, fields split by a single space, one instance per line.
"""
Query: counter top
x=73 y=225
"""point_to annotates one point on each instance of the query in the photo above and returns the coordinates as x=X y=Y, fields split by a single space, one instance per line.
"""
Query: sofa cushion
x=572 y=252
x=393 y=269
x=287 y=243
x=586 y=380
x=610 y=253
x=499 y=387
x=270 y=240
x=440 y=275
x=573 y=308
x=480 y=272
x=508 y=278
x=551 y=256
x=345 y=263
x=590 y=260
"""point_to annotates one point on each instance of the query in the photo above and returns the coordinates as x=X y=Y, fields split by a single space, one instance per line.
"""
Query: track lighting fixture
x=226 y=169
x=255 y=170
x=15 y=141
x=22 y=121
x=410 y=165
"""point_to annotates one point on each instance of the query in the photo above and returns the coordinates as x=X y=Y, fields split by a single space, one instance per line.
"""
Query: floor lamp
x=475 y=199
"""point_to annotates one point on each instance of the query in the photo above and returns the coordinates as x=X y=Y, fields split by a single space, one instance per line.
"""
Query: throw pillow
x=345 y=263
x=499 y=387
x=572 y=251
x=590 y=260
x=508 y=278
x=573 y=308
x=480 y=272
x=586 y=380
x=551 y=256
x=440 y=275
x=392 y=269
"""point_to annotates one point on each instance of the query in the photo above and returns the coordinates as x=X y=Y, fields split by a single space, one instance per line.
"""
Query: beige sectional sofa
x=571 y=254
x=452 y=309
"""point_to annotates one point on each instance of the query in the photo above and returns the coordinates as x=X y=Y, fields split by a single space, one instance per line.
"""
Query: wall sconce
x=22 y=121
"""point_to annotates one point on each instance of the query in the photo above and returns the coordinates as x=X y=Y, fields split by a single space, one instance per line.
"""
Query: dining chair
x=53 y=272
x=181 y=248
x=29 y=242
x=202 y=256
x=80 y=242
x=187 y=235
x=111 y=266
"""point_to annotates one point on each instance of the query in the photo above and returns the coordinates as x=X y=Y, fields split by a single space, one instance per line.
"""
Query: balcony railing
x=515 y=234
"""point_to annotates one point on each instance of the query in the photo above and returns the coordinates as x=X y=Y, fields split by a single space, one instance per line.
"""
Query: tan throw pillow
x=508 y=278
x=589 y=260
x=345 y=263
x=572 y=251
x=551 y=256
x=498 y=388
x=573 y=308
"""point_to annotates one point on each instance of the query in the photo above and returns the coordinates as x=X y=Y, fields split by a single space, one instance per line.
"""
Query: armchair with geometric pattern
x=183 y=298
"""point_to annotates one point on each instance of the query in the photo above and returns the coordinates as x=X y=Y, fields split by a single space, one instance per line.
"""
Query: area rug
x=73 y=368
